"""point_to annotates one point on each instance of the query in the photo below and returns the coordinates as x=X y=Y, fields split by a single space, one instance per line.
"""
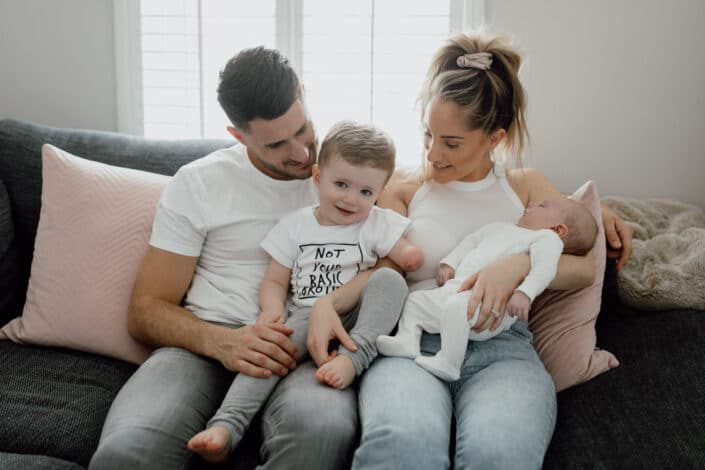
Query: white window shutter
x=366 y=61
x=363 y=60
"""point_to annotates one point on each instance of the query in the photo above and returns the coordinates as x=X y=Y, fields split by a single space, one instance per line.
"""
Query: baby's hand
x=519 y=305
x=445 y=273
x=270 y=317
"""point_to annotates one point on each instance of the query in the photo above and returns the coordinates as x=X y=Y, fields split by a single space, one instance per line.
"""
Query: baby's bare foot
x=213 y=444
x=337 y=373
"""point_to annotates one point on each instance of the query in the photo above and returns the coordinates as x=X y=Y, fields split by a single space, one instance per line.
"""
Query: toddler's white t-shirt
x=324 y=257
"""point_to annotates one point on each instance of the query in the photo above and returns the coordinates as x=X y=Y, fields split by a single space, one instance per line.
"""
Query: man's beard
x=282 y=172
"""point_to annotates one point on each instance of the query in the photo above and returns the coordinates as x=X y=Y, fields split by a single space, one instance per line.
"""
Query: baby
x=545 y=230
x=314 y=251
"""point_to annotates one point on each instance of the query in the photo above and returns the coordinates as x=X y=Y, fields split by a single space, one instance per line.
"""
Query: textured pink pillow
x=563 y=322
x=93 y=231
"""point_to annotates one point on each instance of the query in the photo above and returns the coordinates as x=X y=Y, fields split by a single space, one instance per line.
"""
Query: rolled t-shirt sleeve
x=383 y=230
x=278 y=243
x=180 y=222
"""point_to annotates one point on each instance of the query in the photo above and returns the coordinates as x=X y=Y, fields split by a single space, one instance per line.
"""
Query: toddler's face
x=347 y=192
x=542 y=214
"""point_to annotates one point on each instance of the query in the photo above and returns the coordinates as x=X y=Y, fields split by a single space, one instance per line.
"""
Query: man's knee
x=314 y=427
x=321 y=419
x=115 y=451
x=314 y=413
x=338 y=431
x=139 y=449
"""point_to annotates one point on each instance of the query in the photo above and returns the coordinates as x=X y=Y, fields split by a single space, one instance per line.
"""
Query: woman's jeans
x=504 y=404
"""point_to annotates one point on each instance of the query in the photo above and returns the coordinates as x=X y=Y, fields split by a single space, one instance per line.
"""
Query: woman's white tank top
x=443 y=214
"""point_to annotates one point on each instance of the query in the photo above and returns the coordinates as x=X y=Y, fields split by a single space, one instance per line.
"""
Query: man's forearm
x=160 y=323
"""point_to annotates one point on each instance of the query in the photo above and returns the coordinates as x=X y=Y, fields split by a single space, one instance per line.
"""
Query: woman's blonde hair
x=493 y=98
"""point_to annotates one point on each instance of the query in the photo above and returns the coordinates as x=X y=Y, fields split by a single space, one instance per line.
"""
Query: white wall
x=616 y=88
x=57 y=62
x=616 y=92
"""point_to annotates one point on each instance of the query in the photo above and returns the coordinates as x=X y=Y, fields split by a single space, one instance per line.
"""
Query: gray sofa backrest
x=21 y=176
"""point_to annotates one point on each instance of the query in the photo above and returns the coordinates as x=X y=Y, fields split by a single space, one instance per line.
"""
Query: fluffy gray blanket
x=667 y=267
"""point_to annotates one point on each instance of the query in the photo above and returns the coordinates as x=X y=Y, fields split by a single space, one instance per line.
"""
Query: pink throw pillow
x=94 y=227
x=563 y=322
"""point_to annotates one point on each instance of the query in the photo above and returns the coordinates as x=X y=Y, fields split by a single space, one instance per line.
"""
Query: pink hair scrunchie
x=478 y=60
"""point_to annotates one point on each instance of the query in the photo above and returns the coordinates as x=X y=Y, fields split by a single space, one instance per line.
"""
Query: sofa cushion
x=563 y=322
x=10 y=301
x=53 y=401
x=36 y=462
x=93 y=232
x=20 y=170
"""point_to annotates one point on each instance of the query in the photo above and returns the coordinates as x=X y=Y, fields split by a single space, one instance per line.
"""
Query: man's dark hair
x=257 y=83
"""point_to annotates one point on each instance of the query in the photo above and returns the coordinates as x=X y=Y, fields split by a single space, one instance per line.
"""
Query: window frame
x=465 y=15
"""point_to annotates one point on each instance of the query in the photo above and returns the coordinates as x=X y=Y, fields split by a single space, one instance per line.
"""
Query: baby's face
x=543 y=214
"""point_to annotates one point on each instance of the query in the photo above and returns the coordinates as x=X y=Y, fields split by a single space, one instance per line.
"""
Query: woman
x=504 y=403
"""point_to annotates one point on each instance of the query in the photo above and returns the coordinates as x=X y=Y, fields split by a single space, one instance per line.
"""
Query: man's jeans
x=305 y=424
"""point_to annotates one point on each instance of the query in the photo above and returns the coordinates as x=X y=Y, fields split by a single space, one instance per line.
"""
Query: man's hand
x=445 y=273
x=618 y=235
x=492 y=287
x=257 y=350
x=324 y=325
x=519 y=305
x=270 y=317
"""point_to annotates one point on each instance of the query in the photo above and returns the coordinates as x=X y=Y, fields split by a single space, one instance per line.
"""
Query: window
x=363 y=60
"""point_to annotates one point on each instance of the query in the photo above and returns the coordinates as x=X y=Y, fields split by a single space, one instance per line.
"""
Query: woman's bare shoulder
x=400 y=189
x=523 y=176
x=531 y=184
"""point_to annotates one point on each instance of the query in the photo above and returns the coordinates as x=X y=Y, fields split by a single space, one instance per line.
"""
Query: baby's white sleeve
x=545 y=251
x=469 y=243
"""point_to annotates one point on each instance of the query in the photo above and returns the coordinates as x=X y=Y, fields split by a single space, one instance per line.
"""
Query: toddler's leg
x=378 y=312
x=454 y=339
x=213 y=444
x=245 y=397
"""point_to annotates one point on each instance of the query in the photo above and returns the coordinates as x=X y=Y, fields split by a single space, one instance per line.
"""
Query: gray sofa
x=647 y=413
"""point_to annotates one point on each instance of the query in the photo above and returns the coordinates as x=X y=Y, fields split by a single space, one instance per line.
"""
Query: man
x=205 y=250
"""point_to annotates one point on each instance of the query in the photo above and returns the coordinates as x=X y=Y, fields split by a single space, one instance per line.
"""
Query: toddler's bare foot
x=338 y=373
x=213 y=444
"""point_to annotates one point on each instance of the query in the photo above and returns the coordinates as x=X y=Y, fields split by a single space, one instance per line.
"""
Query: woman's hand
x=618 y=235
x=324 y=325
x=492 y=287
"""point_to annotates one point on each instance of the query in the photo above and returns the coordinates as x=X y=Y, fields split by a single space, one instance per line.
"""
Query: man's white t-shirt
x=219 y=208
x=324 y=257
